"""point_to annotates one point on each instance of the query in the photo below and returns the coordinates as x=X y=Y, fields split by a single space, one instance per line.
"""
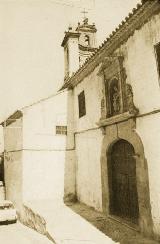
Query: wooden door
x=124 y=199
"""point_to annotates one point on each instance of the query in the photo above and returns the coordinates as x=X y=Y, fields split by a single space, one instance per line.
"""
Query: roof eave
x=12 y=118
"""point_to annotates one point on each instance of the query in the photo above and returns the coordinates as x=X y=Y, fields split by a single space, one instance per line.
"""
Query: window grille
x=61 y=130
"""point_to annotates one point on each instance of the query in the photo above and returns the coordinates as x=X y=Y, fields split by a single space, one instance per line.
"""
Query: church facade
x=112 y=152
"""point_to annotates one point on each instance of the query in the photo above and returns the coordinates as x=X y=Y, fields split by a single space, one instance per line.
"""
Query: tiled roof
x=121 y=26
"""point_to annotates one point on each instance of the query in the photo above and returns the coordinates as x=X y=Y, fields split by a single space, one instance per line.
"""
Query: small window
x=82 y=104
x=61 y=130
x=87 y=40
x=157 y=49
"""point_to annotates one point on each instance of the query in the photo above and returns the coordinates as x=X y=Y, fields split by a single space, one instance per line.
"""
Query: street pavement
x=20 y=234
x=67 y=227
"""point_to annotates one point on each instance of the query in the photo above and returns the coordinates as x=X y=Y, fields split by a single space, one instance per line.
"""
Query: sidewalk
x=67 y=227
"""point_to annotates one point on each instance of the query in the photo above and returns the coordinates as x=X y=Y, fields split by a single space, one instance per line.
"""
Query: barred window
x=61 y=130
x=82 y=104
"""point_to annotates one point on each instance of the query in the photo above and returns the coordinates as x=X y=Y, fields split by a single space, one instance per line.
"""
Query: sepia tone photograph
x=80 y=122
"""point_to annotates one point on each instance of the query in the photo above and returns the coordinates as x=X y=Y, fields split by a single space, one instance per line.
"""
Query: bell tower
x=87 y=40
x=78 y=44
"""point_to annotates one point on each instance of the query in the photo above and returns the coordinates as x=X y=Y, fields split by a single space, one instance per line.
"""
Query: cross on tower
x=84 y=12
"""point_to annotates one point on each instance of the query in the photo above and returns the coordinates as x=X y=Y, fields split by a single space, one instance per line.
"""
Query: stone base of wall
x=70 y=198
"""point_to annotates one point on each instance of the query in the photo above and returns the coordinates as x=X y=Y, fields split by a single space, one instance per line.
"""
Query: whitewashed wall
x=141 y=70
x=39 y=124
x=13 y=136
x=88 y=143
x=141 y=67
x=73 y=59
x=43 y=150
x=13 y=177
x=13 y=141
x=92 y=86
x=43 y=175
x=149 y=130
x=88 y=176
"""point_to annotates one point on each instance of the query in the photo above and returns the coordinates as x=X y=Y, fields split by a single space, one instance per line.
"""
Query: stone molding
x=115 y=119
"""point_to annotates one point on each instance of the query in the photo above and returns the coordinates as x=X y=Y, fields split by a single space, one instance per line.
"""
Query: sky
x=31 y=32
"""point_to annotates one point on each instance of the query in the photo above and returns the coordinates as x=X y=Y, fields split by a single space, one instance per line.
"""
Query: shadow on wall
x=2 y=167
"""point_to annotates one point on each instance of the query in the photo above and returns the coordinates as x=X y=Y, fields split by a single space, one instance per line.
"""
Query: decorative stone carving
x=123 y=74
x=103 y=101
x=103 y=115
x=129 y=100
x=117 y=95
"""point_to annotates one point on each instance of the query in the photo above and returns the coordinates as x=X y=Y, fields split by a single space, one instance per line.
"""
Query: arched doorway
x=123 y=182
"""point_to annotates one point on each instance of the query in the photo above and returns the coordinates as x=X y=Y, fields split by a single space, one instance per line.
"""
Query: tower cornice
x=69 y=34
x=86 y=48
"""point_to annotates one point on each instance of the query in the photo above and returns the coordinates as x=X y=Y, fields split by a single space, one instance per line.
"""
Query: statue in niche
x=114 y=98
x=129 y=100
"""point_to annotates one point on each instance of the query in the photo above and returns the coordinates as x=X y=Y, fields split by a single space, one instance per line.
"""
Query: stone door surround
x=126 y=130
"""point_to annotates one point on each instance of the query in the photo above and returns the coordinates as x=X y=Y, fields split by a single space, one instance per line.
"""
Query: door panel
x=124 y=199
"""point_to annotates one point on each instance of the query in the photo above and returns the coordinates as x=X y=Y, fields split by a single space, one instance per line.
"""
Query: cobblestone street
x=115 y=230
